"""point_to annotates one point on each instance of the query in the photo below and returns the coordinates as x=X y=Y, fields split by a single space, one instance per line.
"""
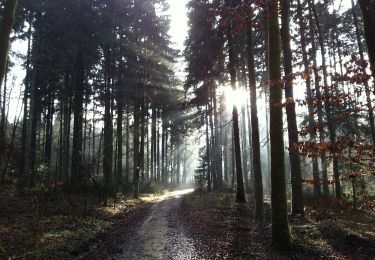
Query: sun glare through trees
x=187 y=129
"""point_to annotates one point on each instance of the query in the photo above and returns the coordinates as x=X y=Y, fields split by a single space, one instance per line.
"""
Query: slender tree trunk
x=178 y=172
x=245 y=155
x=108 y=128
x=257 y=167
x=76 y=172
x=240 y=195
x=127 y=137
x=158 y=168
x=318 y=95
x=34 y=119
x=163 y=153
x=328 y=108
x=26 y=94
x=49 y=132
x=184 y=176
x=147 y=146
x=218 y=144
x=209 y=186
x=120 y=111
x=295 y=164
x=280 y=226
x=153 y=143
x=66 y=136
x=250 y=134
x=3 y=116
x=142 y=141
x=136 y=148
x=167 y=173
x=226 y=156
x=212 y=141
x=310 y=102
x=233 y=160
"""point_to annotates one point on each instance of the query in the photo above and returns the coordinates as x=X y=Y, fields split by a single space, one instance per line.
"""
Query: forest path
x=161 y=235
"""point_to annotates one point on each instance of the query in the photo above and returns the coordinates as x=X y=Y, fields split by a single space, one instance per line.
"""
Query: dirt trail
x=161 y=235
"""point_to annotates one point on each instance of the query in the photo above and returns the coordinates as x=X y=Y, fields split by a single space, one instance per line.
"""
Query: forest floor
x=59 y=226
x=177 y=225
x=223 y=229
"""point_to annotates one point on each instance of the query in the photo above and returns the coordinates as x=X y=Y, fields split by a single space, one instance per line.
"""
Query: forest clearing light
x=236 y=97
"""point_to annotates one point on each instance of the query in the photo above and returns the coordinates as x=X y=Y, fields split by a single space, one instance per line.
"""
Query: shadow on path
x=161 y=235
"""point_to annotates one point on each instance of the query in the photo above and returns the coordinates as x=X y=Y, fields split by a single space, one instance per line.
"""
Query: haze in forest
x=187 y=129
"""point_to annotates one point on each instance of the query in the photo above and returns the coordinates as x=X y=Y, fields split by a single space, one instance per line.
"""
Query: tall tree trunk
x=280 y=226
x=108 y=127
x=26 y=95
x=245 y=154
x=184 y=175
x=324 y=163
x=178 y=161
x=208 y=156
x=142 y=141
x=218 y=143
x=127 y=137
x=76 y=172
x=310 y=102
x=35 y=113
x=167 y=173
x=66 y=133
x=136 y=148
x=163 y=153
x=120 y=111
x=49 y=131
x=240 y=194
x=226 y=155
x=250 y=134
x=3 y=115
x=158 y=168
x=327 y=105
x=153 y=143
x=147 y=122
x=295 y=164
x=257 y=167
x=213 y=141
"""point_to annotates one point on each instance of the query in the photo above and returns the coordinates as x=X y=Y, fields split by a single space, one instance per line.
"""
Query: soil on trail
x=160 y=235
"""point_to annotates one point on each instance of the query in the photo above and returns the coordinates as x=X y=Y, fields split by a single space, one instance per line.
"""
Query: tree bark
x=257 y=166
x=280 y=226
x=327 y=105
x=108 y=127
x=136 y=148
x=295 y=164
x=310 y=102
x=240 y=193
x=76 y=172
